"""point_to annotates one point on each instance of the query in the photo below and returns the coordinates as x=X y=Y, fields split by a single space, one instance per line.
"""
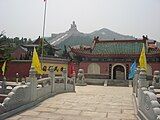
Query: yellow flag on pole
x=36 y=63
x=4 y=68
x=142 y=59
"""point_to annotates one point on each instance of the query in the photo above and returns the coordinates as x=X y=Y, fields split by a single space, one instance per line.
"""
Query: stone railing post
x=33 y=84
x=64 y=74
x=151 y=89
x=156 y=79
x=52 y=81
x=135 y=81
x=141 y=85
x=4 y=85
x=142 y=78
x=74 y=80
x=17 y=77
x=23 y=82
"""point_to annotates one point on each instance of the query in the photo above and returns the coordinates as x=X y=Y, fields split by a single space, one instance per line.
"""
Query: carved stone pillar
x=17 y=77
x=52 y=81
x=23 y=82
x=135 y=81
x=141 y=84
x=151 y=89
x=156 y=79
x=33 y=83
x=64 y=74
x=74 y=79
x=4 y=85
x=142 y=78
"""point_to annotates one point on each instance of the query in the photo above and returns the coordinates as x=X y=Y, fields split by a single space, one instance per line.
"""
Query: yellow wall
x=57 y=68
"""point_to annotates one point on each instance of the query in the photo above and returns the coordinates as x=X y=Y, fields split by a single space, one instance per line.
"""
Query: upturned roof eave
x=121 y=41
x=115 y=55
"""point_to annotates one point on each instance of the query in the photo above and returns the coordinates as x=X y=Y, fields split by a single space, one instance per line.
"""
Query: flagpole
x=44 y=24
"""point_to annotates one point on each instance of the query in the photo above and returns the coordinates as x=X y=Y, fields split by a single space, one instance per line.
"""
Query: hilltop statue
x=73 y=26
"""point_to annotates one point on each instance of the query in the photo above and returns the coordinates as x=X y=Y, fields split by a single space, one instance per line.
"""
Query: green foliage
x=50 y=50
x=39 y=51
x=8 y=45
x=75 y=40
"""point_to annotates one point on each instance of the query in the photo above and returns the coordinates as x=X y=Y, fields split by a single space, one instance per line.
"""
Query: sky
x=24 y=18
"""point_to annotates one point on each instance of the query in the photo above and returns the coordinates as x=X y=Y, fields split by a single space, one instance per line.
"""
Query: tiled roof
x=117 y=48
x=113 y=48
x=39 y=41
x=25 y=49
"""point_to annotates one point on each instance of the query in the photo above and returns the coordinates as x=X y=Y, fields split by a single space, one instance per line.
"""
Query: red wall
x=14 y=67
x=104 y=66
x=155 y=66
x=22 y=67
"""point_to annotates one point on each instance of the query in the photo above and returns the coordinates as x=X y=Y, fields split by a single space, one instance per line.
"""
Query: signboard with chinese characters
x=58 y=68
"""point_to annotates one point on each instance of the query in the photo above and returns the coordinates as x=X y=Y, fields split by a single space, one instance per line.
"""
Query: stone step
x=123 y=83
x=90 y=81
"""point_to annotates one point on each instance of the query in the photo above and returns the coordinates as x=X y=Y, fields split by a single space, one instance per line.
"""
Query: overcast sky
x=24 y=18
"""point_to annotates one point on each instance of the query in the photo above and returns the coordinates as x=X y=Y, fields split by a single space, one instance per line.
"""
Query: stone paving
x=88 y=103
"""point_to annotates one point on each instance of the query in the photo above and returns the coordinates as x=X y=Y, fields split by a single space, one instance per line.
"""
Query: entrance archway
x=119 y=72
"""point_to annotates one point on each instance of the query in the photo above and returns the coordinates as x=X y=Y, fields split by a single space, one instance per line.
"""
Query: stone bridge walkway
x=88 y=103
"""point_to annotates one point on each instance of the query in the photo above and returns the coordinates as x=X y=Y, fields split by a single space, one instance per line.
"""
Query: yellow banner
x=142 y=59
x=36 y=63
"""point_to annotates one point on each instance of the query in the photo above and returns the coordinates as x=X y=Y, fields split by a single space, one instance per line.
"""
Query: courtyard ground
x=87 y=103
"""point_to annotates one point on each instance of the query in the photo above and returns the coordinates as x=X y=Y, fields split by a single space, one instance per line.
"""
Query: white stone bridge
x=87 y=103
x=58 y=99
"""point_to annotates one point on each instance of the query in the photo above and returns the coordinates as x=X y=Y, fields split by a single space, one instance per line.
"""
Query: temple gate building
x=113 y=58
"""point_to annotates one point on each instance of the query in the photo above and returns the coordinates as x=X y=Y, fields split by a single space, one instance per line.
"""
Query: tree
x=7 y=45
x=39 y=51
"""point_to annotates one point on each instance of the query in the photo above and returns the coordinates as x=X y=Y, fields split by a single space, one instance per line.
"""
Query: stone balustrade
x=6 y=87
x=34 y=91
x=43 y=82
x=148 y=107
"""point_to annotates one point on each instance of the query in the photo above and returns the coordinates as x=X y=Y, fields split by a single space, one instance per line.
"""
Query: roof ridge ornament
x=96 y=39
x=145 y=37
